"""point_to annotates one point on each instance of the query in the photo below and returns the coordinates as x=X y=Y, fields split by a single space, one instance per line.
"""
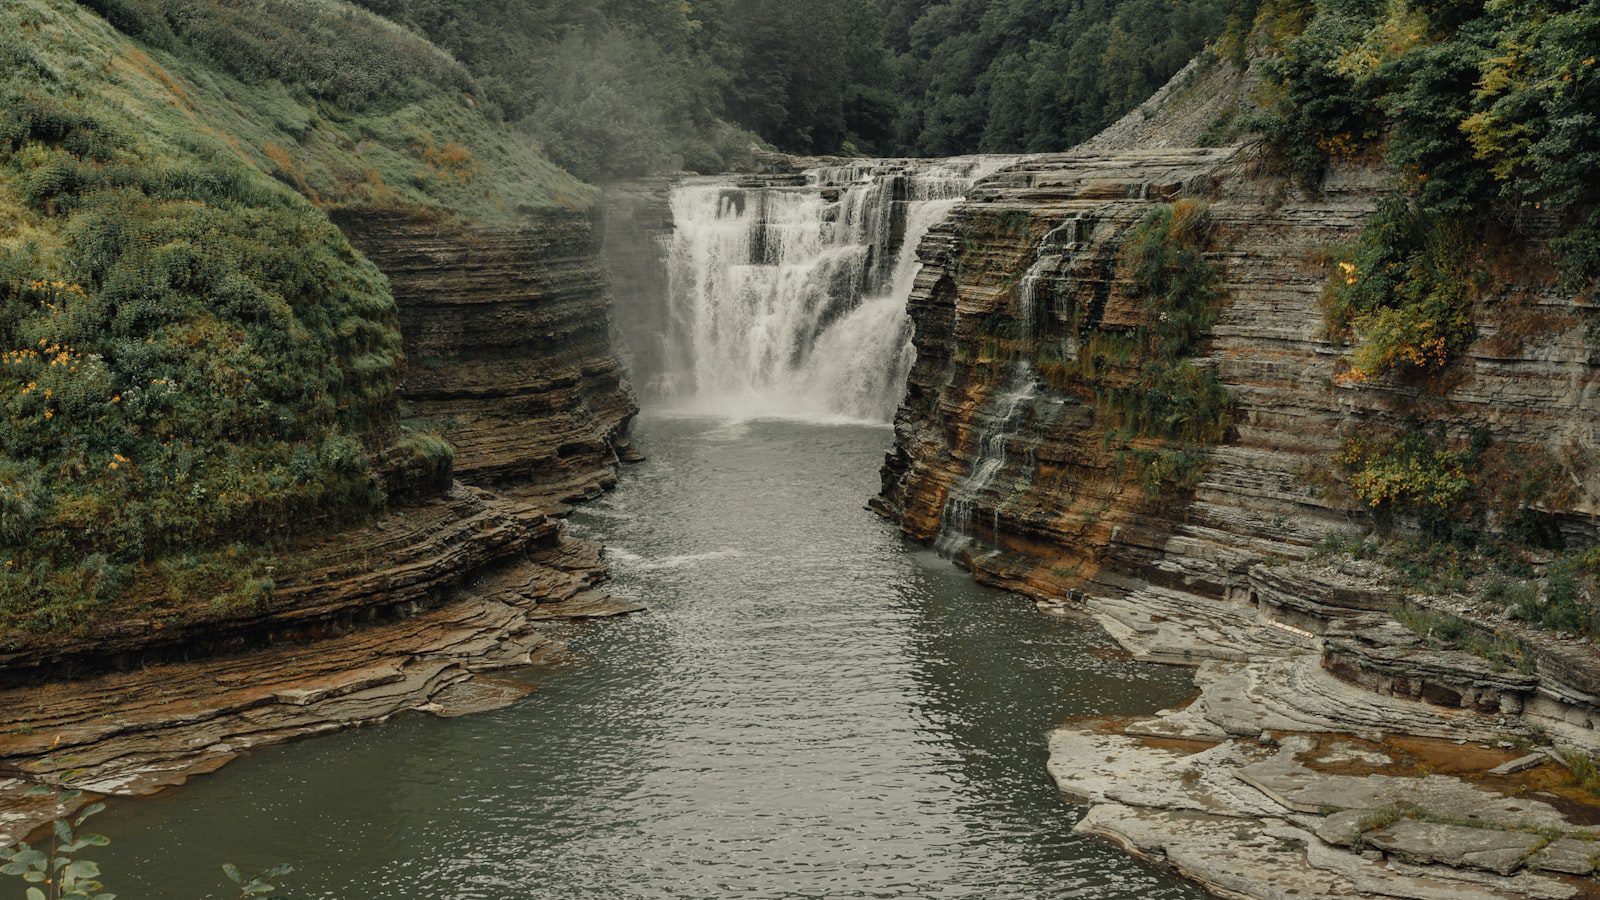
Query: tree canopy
x=628 y=86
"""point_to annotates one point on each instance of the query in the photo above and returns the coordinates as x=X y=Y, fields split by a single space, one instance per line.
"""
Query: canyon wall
x=1006 y=460
x=507 y=333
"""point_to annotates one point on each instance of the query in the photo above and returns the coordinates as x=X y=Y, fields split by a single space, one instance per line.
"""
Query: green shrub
x=1146 y=389
x=1406 y=292
x=1585 y=770
x=194 y=363
x=1448 y=632
x=1488 y=111
x=1172 y=399
x=1415 y=472
x=1571 y=589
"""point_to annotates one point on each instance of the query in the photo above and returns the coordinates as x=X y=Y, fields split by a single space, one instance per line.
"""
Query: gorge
x=1141 y=519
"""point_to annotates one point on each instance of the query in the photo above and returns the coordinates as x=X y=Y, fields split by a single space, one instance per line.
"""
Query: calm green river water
x=813 y=707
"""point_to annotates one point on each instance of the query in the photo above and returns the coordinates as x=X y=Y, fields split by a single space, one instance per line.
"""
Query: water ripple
x=814 y=708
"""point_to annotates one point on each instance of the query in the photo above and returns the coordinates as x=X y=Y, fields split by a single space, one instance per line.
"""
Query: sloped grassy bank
x=198 y=365
x=258 y=264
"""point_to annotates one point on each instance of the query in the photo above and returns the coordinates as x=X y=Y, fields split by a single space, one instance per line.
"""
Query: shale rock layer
x=508 y=341
x=1029 y=488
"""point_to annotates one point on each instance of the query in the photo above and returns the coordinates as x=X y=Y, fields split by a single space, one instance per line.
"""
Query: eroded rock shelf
x=507 y=330
x=1298 y=660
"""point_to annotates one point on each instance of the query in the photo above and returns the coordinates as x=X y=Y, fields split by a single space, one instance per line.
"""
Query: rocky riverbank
x=136 y=732
x=507 y=331
x=1288 y=774
x=1331 y=749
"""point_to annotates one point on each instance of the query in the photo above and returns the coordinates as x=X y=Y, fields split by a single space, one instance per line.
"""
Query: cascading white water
x=1010 y=404
x=788 y=299
x=955 y=525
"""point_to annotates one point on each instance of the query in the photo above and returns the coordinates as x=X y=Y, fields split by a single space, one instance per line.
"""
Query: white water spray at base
x=788 y=299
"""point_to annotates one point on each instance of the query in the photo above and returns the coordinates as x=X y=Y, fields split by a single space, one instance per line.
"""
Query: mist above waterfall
x=787 y=296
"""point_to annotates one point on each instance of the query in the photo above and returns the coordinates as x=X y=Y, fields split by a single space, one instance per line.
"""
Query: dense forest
x=622 y=87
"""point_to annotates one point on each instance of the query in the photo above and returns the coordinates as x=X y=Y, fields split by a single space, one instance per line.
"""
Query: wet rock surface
x=1285 y=774
x=1251 y=819
x=133 y=733
x=1290 y=651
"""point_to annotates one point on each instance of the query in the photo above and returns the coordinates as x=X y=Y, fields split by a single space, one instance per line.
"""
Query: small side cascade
x=956 y=522
x=1010 y=405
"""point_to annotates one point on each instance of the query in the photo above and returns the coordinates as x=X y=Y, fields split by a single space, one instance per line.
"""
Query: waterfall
x=787 y=294
x=1006 y=409
x=955 y=524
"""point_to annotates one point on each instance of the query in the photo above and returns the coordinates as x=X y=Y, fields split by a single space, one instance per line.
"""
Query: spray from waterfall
x=787 y=296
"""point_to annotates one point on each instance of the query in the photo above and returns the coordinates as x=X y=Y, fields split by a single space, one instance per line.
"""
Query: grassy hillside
x=194 y=363
x=344 y=105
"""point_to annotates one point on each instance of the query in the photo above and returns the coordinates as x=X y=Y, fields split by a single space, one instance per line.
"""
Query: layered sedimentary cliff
x=1013 y=455
x=1024 y=482
x=507 y=333
x=281 y=545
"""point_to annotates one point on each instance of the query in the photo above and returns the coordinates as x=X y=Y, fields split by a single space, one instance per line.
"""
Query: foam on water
x=789 y=302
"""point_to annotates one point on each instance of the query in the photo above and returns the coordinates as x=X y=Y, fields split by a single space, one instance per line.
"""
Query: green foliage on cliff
x=1171 y=400
x=194 y=363
x=1406 y=293
x=1489 y=116
x=1152 y=401
x=342 y=105
x=1491 y=113
x=1415 y=472
x=1449 y=632
x=1568 y=600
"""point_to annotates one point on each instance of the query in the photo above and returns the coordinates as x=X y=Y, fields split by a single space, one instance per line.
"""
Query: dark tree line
x=621 y=87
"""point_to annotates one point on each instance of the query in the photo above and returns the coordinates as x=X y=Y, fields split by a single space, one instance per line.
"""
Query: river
x=812 y=707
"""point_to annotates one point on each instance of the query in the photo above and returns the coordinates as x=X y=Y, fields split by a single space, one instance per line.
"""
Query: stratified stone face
x=507 y=333
x=1023 y=485
x=508 y=344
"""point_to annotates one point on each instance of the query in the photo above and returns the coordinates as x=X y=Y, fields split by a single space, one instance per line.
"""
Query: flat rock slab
x=1249 y=819
x=1456 y=845
x=1300 y=789
x=1104 y=766
x=135 y=733
x=477 y=695
x=1569 y=856
x=587 y=605
x=1274 y=860
x=1520 y=764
